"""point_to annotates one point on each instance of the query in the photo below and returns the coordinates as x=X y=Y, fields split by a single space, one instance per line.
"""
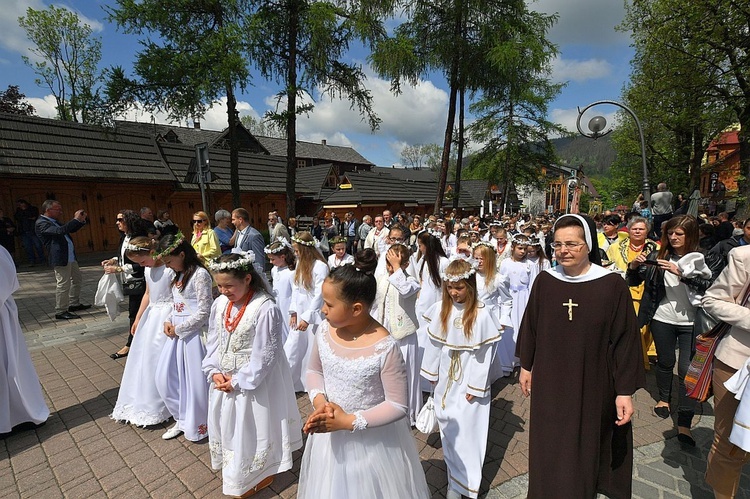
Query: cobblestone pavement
x=81 y=452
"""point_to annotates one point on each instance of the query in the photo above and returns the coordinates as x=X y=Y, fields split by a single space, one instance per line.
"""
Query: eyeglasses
x=570 y=246
x=394 y=240
x=119 y=219
x=197 y=222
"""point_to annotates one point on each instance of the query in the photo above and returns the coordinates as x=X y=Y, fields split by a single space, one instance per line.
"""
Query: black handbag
x=135 y=286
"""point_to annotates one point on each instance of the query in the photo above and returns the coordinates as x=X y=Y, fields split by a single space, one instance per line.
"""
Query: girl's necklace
x=355 y=338
x=231 y=324
x=178 y=283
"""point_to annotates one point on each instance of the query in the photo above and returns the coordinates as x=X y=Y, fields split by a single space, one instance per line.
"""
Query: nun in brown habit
x=581 y=362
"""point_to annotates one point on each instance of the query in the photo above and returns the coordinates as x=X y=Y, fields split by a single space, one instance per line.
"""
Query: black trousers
x=667 y=339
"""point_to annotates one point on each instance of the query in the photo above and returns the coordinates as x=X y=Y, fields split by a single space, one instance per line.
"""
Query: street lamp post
x=599 y=123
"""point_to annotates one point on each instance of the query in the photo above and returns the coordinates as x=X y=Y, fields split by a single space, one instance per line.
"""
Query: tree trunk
x=291 y=118
x=696 y=158
x=234 y=156
x=460 y=148
x=454 y=83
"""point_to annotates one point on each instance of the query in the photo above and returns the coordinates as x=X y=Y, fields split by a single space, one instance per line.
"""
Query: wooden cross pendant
x=570 y=306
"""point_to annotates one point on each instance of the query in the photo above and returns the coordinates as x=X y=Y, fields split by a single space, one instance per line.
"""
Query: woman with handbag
x=669 y=306
x=726 y=301
x=130 y=225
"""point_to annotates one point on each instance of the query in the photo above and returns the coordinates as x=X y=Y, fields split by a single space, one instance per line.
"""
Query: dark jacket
x=654 y=290
x=722 y=248
x=53 y=237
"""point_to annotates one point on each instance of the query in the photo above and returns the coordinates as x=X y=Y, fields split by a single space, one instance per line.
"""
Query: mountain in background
x=596 y=156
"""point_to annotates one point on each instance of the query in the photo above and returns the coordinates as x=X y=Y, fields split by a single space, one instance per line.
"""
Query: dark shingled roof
x=257 y=172
x=39 y=146
x=368 y=187
x=186 y=135
x=472 y=193
x=423 y=175
x=313 y=178
x=324 y=152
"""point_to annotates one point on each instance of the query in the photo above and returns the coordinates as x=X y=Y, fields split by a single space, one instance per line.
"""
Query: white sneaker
x=452 y=494
x=173 y=432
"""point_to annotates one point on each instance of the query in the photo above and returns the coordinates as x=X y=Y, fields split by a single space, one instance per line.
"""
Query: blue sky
x=594 y=60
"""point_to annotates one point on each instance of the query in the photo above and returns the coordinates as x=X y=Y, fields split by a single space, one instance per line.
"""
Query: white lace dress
x=139 y=402
x=282 y=290
x=253 y=430
x=378 y=460
x=307 y=304
x=179 y=377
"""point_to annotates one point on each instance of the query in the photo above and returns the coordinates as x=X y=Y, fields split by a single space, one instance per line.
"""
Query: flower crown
x=134 y=248
x=520 y=239
x=312 y=243
x=337 y=239
x=244 y=263
x=445 y=276
x=483 y=243
x=283 y=243
x=179 y=238
x=435 y=233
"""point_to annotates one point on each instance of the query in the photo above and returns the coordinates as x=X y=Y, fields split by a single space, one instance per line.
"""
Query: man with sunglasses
x=61 y=256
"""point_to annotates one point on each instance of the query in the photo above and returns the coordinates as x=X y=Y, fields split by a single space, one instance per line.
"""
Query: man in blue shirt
x=62 y=258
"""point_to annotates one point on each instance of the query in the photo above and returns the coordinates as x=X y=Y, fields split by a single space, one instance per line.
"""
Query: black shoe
x=67 y=315
x=76 y=308
x=685 y=439
x=662 y=412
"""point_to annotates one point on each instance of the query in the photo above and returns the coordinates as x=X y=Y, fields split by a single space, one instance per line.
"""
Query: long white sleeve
x=267 y=348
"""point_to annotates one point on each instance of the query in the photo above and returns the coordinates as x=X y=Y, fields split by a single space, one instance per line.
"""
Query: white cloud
x=586 y=22
x=416 y=116
x=564 y=70
x=45 y=107
x=214 y=119
x=14 y=37
x=337 y=139
x=567 y=118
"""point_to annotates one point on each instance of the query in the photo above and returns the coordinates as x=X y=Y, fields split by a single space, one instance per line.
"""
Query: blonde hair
x=471 y=305
x=489 y=256
x=404 y=252
x=144 y=244
x=303 y=275
x=203 y=216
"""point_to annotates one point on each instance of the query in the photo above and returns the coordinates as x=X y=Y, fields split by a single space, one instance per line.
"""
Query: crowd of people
x=368 y=317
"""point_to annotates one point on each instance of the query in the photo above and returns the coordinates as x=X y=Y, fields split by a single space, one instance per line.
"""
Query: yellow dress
x=620 y=254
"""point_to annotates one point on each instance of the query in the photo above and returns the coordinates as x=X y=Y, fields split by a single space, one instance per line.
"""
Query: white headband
x=586 y=228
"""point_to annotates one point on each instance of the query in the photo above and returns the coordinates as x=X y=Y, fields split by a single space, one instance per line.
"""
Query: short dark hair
x=242 y=213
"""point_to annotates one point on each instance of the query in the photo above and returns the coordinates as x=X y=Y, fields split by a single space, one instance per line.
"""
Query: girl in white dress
x=360 y=444
x=253 y=420
x=138 y=401
x=518 y=270
x=493 y=289
x=179 y=377
x=281 y=256
x=22 y=404
x=338 y=256
x=395 y=309
x=457 y=361
x=304 y=309
x=535 y=255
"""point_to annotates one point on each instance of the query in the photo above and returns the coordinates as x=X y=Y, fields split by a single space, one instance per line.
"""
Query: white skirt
x=183 y=386
x=139 y=402
x=21 y=398
x=374 y=463
x=410 y=351
x=252 y=434
x=297 y=348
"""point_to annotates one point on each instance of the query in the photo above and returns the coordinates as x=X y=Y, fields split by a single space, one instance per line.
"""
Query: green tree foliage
x=14 y=102
x=198 y=55
x=263 y=128
x=474 y=43
x=301 y=44
x=691 y=78
x=65 y=58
